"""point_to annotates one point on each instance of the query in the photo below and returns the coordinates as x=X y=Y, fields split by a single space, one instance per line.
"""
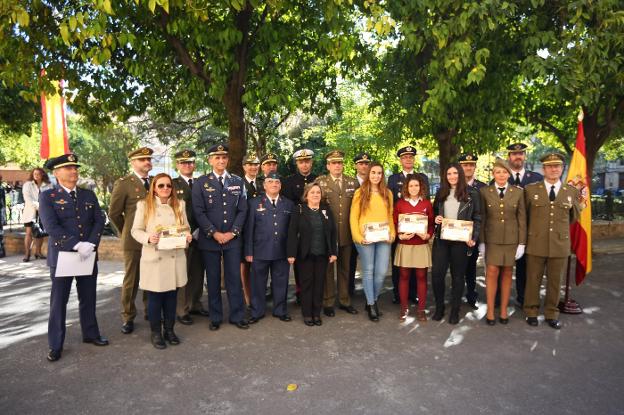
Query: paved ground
x=349 y=365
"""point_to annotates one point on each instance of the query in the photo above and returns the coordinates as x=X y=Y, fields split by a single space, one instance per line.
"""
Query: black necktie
x=517 y=183
x=552 y=195
x=253 y=187
x=73 y=195
x=190 y=183
x=146 y=183
x=502 y=192
x=273 y=202
x=221 y=181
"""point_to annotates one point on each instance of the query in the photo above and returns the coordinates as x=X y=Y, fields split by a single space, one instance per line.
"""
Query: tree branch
x=556 y=131
x=195 y=66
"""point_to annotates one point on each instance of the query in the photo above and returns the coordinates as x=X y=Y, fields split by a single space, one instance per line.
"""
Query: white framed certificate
x=413 y=223
x=456 y=230
x=377 y=232
x=172 y=237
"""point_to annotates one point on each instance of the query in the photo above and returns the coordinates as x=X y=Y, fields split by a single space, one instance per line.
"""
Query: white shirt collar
x=360 y=180
x=186 y=179
x=225 y=175
x=414 y=202
x=66 y=189
x=140 y=178
x=250 y=180
x=276 y=199
x=549 y=185
x=513 y=176
x=405 y=173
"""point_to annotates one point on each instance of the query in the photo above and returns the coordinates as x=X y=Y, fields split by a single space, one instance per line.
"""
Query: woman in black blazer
x=311 y=247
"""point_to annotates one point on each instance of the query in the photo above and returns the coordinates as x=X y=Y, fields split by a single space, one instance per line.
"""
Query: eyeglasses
x=163 y=185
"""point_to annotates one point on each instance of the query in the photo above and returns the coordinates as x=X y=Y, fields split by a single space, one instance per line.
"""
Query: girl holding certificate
x=454 y=202
x=163 y=271
x=503 y=238
x=372 y=229
x=413 y=217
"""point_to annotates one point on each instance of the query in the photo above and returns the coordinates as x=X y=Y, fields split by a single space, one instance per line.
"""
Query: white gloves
x=519 y=252
x=482 y=249
x=84 y=249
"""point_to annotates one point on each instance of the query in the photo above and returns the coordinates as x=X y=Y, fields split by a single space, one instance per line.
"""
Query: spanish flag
x=580 y=232
x=54 y=140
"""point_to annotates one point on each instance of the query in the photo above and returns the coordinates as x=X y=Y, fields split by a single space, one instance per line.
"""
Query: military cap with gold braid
x=141 y=153
x=362 y=158
x=268 y=158
x=185 y=155
x=335 y=155
x=251 y=159
x=303 y=154
x=468 y=158
x=552 y=158
x=406 y=150
x=69 y=159
x=516 y=147
x=218 y=149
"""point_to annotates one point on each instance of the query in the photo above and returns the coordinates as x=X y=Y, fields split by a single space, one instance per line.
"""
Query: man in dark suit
x=469 y=165
x=220 y=207
x=266 y=233
x=73 y=219
x=254 y=187
x=520 y=177
x=395 y=182
x=189 y=296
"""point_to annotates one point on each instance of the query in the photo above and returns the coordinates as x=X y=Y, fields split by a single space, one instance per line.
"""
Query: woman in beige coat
x=162 y=271
x=503 y=236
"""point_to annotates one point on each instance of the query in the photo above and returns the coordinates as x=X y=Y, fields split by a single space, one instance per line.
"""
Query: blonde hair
x=150 y=200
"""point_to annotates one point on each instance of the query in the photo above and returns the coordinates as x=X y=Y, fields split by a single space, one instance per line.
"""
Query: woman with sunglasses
x=162 y=271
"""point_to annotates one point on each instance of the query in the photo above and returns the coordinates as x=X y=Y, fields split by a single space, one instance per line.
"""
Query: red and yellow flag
x=54 y=140
x=580 y=232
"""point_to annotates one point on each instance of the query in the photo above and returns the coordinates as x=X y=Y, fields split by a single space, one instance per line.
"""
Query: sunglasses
x=163 y=185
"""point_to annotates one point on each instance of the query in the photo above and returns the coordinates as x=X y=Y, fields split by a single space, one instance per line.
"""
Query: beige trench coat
x=160 y=270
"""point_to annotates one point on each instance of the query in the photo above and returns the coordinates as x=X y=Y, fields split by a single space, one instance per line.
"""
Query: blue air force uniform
x=221 y=208
x=69 y=222
x=266 y=232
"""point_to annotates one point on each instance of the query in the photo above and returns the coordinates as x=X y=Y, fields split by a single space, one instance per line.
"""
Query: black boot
x=372 y=313
x=439 y=313
x=170 y=335
x=454 y=317
x=379 y=313
x=157 y=340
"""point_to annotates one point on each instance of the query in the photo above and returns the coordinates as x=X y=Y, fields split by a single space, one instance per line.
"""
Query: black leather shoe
x=214 y=326
x=318 y=321
x=243 y=324
x=554 y=323
x=284 y=317
x=439 y=313
x=98 y=341
x=372 y=313
x=503 y=320
x=169 y=334
x=127 y=327
x=379 y=313
x=348 y=308
x=54 y=355
x=185 y=319
x=254 y=320
x=531 y=321
x=490 y=322
x=329 y=311
x=454 y=316
x=309 y=323
x=473 y=305
x=200 y=312
x=157 y=340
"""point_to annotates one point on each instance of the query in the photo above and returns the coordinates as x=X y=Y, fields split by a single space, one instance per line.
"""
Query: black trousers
x=352 y=267
x=445 y=254
x=521 y=268
x=412 y=294
x=312 y=270
x=161 y=305
x=471 y=276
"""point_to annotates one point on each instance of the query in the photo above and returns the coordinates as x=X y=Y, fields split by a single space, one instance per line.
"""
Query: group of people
x=236 y=231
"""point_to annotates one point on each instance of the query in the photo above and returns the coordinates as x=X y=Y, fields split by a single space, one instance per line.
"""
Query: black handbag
x=37 y=229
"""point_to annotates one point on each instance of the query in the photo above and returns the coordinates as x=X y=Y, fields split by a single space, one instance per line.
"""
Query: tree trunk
x=236 y=124
x=446 y=148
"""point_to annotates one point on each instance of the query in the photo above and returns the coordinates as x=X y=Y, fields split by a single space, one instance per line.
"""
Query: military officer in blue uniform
x=266 y=232
x=73 y=219
x=468 y=162
x=254 y=187
x=406 y=156
x=520 y=177
x=220 y=208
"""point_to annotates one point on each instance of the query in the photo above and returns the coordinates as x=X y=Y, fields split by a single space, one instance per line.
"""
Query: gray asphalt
x=349 y=365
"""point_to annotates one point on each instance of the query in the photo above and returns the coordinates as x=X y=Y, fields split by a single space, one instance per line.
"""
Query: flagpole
x=568 y=305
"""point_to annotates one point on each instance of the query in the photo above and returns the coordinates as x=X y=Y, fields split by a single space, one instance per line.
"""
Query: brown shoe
x=421 y=315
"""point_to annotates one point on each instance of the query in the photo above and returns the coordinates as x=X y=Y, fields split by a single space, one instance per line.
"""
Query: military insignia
x=260 y=208
x=71 y=157
x=210 y=189
x=60 y=202
x=220 y=148
x=145 y=151
x=535 y=197
x=136 y=189
x=186 y=153
x=468 y=157
x=364 y=157
x=325 y=213
x=408 y=148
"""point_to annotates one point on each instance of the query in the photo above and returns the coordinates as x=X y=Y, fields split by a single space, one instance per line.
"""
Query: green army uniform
x=338 y=194
x=127 y=191
x=548 y=241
